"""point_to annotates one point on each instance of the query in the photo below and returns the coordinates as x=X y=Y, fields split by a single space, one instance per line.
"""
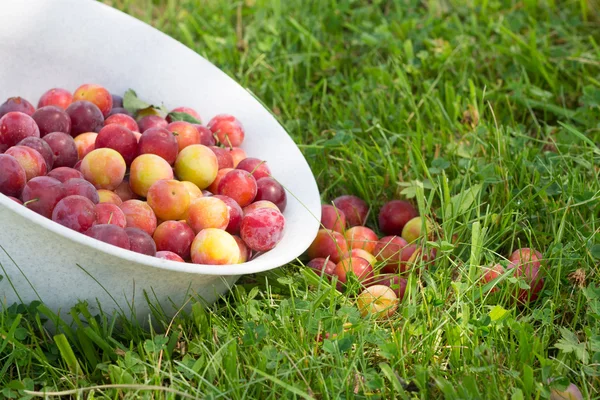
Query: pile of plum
x=141 y=178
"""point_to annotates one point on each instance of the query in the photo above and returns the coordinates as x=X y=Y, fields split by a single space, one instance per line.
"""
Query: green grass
x=485 y=113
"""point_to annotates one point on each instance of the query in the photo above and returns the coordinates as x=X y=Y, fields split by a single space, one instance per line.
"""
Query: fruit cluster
x=527 y=265
x=161 y=185
x=346 y=247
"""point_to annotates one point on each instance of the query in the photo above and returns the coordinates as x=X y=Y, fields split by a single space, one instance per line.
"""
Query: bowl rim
x=249 y=267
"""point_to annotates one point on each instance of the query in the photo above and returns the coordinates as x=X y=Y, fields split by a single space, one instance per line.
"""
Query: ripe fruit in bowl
x=197 y=164
x=104 y=168
x=14 y=127
x=227 y=129
x=147 y=169
x=117 y=268
x=215 y=247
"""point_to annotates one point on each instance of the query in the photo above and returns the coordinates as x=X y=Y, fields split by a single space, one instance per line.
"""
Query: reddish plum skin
x=31 y=160
x=63 y=174
x=361 y=237
x=193 y=190
x=147 y=169
x=186 y=110
x=175 y=237
x=75 y=212
x=223 y=157
x=258 y=168
x=111 y=234
x=328 y=243
x=185 y=133
x=235 y=214
x=394 y=215
x=237 y=154
x=214 y=186
x=240 y=186
x=124 y=191
x=151 y=121
x=228 y=130
x=14 y=127
x=17 y=104
x=206 y=136
x=108 y=196
x=141 y=242
x=332 y=218
x=139 y=215
x=322 y=266
x=104 y=168
x=161 y=142
x=361 y=268
x=119 y=110
x=245 y=252
x=354 y=208
x=109 y=213
x=362 y=254
x=85 y=143
x=259 y=204
x=95 y=94
x=525 y=296
x=52 y=119
x=81 y=187
x=56 y=97
x=527 y=256
x=168 y=198
x=207 y=212
x=214 y=246
x=413 y=230
x=64 y=149
x=393 y=281
x=117 y=101
x=197 y=164
x=168 y=255
x=393 y=251
x=46 y=192
x=12 y=176
x=489 y=274
x=15 y=200
x=118 y=138
x=41 y=147
x=85 y=117
x=123 y=120
x=262 y=229
x=271 y=190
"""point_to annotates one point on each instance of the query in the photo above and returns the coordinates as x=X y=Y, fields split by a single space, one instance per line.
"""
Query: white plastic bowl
x=65 y=43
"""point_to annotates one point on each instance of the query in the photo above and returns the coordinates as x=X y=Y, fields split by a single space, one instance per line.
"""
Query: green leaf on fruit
x=181 y=116
x=133 y=104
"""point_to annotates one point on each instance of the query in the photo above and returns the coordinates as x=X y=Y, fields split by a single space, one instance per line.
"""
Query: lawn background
x=485 y=113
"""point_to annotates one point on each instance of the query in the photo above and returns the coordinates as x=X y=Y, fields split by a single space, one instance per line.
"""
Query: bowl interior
x=65 y=43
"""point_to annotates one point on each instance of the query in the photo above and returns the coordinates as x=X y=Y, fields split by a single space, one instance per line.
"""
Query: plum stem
x=31 y=201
